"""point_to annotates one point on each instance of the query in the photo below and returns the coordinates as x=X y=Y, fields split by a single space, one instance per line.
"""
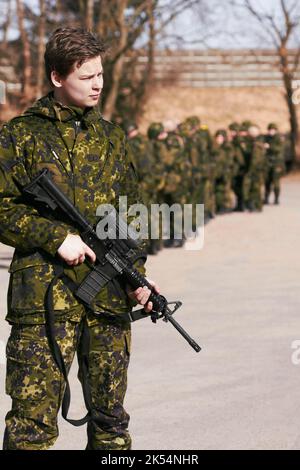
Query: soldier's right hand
x=73 y=250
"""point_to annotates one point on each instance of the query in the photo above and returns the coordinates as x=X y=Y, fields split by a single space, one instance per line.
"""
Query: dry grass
x=217 y=107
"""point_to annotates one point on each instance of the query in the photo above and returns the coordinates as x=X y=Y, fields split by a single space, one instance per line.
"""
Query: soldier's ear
x=56 y=79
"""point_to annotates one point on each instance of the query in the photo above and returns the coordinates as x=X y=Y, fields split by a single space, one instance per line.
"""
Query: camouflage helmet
x=245 y=126
x=234 y=126
x=221 y=132
x=183 y=129
x=272 y=125
x=155 y=129
x=192 y=122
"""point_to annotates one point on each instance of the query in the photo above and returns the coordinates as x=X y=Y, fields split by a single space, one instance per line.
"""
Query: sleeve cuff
x=58 y=236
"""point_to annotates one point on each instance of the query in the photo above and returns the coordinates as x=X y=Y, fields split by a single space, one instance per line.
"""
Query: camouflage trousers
x=238 y=189
x=272 y=181
x=207 y=196
x=36 y=386
x=223 y=194
x=253 y=191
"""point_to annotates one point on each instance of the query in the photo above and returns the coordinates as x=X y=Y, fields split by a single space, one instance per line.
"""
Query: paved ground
x=241 y=302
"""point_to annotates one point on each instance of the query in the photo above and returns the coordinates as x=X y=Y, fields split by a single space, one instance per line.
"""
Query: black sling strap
x=57 y=354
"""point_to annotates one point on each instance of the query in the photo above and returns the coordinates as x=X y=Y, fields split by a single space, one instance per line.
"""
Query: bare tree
x=151 y=5
x=118 y=63
x=129 y=21
x=26 y=73
x=282 y=32
x=41 y=48
x=6 y=24
x=127 y=32
x=146 y=81
x=89 y=18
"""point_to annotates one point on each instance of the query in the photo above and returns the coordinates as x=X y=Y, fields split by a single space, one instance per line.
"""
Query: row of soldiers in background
x=236 y=169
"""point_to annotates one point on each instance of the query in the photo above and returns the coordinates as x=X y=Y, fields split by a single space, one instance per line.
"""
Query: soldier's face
x=163 y=135
x=220 y=139
x=133 y=133
x=82 y=87
x=253 y=131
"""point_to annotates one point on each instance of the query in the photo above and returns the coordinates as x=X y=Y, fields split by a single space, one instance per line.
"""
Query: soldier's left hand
x=141 y=295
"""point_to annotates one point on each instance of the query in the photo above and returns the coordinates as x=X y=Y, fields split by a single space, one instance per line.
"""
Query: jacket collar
x=49 y=108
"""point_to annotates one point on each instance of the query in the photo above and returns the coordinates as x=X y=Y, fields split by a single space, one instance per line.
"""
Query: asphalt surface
x=241 y=302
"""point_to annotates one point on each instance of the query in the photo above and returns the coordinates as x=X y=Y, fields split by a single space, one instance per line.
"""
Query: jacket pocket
x=25 y=377
x=29 y=281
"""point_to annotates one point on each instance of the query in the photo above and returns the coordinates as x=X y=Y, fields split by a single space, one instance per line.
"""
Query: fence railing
x=218 y=68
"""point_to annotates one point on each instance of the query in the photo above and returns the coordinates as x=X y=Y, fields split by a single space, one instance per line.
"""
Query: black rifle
x=115 y=257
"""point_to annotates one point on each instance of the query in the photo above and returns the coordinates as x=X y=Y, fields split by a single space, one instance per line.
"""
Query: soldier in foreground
x=90 y=162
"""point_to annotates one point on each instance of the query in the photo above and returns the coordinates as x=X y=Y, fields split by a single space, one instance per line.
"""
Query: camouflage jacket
x=159 y=151
x=239 y=162
x=224 y=160
x=204 y=145
x=89 y=161
x=257 y=156
x=144 y=163
x=177 y=169
x=274 y=152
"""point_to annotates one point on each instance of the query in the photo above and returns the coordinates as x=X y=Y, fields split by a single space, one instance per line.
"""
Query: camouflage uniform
x=254 y=178
x=207 y=167
x=178 y=169
x=36 y=386
x=175 y=187
x=274 y=164
x=90 y=162
x=156 y=174
x=145 y=164
x=191 y=168
x=239 y=166
x=224 y=172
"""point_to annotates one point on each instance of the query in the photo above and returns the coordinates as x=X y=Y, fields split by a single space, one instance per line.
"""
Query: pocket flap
x=35 y=259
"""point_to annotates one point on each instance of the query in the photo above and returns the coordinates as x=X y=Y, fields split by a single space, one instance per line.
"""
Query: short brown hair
x=69 y=46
